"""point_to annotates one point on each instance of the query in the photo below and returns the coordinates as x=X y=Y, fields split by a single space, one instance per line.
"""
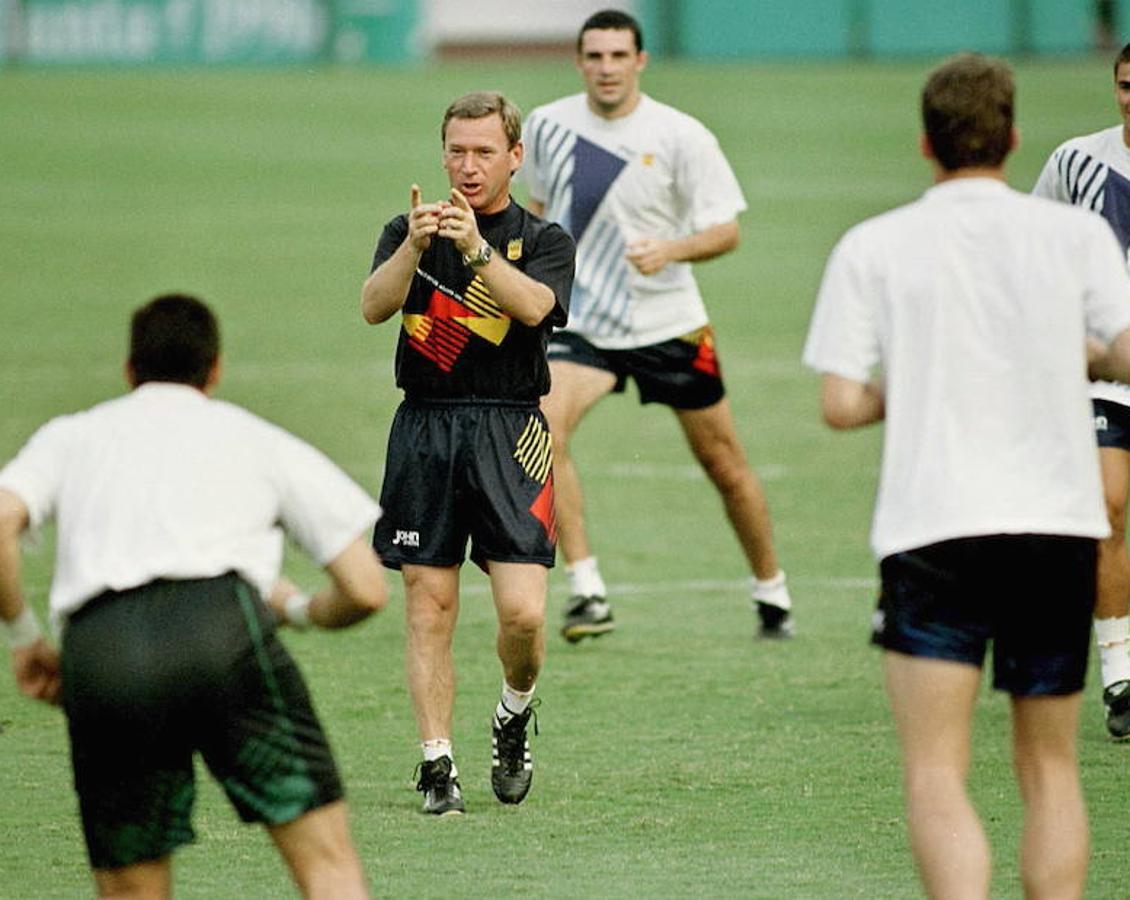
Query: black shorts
x=461 y=470
x=1112 y=424
x=154 y=674
x=682 y=373
x=1031 y=595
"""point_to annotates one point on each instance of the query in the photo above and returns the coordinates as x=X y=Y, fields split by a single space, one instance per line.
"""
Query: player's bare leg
x=431 y=603
x=1112 y=602
x=519 y=591
x=713 y=439
x=150 y=880
x=319 y=850
x=575 y=389
x=932 y=701
x=1053 y=856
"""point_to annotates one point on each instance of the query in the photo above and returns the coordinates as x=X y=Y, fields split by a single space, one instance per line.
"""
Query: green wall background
x=46 y=32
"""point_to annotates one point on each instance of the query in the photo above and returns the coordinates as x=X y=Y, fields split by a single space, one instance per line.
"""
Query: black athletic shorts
x=682 y=373
x=1032 y=596
x=154 y=674
x=1112 y=424
x=464 y=470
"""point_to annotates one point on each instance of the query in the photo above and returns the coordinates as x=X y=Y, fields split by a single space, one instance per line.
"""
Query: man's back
x=979 y=297
x=167 y=483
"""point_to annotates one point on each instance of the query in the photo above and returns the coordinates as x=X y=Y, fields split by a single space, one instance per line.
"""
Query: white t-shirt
x=166 y=483
x=656 y=172
x=975 y=301
x=1093 y=171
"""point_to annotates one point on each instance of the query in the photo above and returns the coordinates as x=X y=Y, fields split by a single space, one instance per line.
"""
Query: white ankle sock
x=773 y=590
x=436 y=748
x=513 y=702
x=584 y=578
x=1113 y=639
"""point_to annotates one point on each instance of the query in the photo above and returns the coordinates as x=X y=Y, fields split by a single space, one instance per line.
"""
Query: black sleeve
x=552 y=265
x=392 y=237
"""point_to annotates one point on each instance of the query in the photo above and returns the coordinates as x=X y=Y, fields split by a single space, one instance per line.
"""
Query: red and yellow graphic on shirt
x=444 y=329
x=707 y=359
x=534 y=453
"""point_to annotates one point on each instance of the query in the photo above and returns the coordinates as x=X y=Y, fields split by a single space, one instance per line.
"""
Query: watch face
x=482 y=257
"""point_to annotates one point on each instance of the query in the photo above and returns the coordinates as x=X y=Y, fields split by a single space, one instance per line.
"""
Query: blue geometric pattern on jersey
x=601 y=300
x=553 y=145
x=580 y=174
x=1116 y=206
x=594 y=170
x=1095 y=186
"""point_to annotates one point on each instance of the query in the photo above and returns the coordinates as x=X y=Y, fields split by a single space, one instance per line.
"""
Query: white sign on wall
x=504 y=21
x=144 y=31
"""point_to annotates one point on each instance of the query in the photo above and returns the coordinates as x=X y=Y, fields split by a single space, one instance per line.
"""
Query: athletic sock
x=773 y=591
x=513 y=703
x=439 y=747
x=584 y=578
x=1113 y=639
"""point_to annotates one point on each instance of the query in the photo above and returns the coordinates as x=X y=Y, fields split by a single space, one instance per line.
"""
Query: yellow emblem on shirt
x=648 y=159
x=514 y=250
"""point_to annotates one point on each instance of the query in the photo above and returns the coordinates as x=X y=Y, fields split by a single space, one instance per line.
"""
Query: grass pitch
x=677 y=756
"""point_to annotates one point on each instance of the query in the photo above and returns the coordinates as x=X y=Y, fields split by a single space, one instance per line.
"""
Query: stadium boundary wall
x=744 y=29
x=143 y=32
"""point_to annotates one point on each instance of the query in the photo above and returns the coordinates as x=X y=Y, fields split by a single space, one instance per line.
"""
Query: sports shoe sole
x=450 y=811
x=575 y=633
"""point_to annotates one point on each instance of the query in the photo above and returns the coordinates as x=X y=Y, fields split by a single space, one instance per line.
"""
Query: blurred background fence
x=136 y=32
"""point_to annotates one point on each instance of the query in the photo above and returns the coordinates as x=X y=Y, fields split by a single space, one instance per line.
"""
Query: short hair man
x=479 y=282
x=977 y=302
x=171 y=509
x=1093 y=171
x=645 y=191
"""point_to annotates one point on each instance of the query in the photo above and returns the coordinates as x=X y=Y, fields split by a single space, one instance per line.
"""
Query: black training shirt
x=455 y=342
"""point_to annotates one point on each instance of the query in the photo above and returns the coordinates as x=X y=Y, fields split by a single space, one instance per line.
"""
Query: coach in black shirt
x=480 y=283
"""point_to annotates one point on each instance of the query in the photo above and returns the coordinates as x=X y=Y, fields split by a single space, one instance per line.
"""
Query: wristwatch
x=481 y=258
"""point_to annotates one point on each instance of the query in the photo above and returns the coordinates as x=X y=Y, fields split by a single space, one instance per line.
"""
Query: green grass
x=677 y=756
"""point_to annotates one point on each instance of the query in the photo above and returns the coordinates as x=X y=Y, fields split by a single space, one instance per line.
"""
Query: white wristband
x=23 y=631
x=298 y=610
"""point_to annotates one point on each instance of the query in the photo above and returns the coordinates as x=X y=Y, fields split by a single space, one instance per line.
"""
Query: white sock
x=773 y=591
x=584 y=579
x=1113 y=639
x=437 y=748
x=512 y=703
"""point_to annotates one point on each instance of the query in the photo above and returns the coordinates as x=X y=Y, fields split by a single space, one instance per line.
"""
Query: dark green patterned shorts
x=155 y=674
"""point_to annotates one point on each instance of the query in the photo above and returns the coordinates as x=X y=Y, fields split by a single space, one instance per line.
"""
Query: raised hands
x=457 y=221
x=454 y=220
x=386 y=289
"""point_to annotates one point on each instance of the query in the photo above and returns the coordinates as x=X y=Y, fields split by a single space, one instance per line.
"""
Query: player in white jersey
x=980 y=308
x=1093 y=172
x=171 y=509
x=645 y=191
